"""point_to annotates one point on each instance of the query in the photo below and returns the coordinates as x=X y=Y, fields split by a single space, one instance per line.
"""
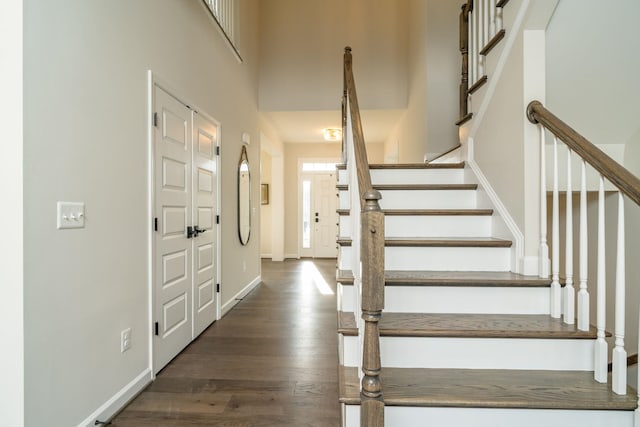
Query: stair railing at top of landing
x=627 y=185
x=481 y=29
x=367 y=260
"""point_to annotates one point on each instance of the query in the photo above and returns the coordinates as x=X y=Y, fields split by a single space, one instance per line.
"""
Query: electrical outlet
x=125 y=340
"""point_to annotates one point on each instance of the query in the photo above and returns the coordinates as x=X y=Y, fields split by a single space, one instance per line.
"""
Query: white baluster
x=583 y=293
x=601 y=348
x=472 y=50
x=492 y=18
x=485 y=22
x=569 y=291
x=478 y=40
x=544 y=247
x=619 y=373
x=499 y=21
x=556 y=299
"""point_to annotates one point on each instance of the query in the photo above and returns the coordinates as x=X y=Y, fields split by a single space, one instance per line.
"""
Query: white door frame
x=302 y=160
x=154 y=80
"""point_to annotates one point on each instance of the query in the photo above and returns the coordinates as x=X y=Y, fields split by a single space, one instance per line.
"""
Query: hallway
x=272 y=361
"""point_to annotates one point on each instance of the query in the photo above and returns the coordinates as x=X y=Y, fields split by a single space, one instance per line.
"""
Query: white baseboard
x=291 y=256
x=266 y=256
x=119 y=400
x=227 y=306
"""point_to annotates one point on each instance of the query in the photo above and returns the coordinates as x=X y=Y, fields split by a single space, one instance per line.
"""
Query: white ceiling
x=306 y=126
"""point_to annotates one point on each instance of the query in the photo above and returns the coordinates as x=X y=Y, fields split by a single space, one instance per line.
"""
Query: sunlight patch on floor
x=311 y=276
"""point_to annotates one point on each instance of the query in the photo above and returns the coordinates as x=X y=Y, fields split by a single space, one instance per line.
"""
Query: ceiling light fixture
x=332 y=134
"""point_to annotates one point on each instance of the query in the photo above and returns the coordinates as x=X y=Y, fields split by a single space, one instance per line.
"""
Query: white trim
x=227 y=306
x=291 y=256
x=150 y=199
x=12 y=173
x=120 y=399
x=517 y=249
x=266 y=256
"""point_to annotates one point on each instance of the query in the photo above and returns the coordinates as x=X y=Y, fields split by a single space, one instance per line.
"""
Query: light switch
x=70 y=215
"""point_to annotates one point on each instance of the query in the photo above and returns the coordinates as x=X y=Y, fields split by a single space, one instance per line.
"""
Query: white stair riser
x=438 y=258
x=411 y=416
x=429 y=226
x=457 y=299
x=419 y=199
x=479 y=353
x=410 y=176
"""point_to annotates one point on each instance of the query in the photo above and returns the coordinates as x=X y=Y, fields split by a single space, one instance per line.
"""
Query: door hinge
x=156 y=328
x=217 y=219
x=155 y=224
x=218 y=287
x=217 y=150
x=155 y=119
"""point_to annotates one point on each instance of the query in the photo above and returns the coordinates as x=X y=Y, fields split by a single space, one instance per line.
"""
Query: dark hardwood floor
x=272 y=361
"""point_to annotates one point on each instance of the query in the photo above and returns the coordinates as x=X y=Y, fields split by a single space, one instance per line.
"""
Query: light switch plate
x=70 y=215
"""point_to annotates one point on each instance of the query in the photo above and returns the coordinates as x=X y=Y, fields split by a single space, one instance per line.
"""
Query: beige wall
x=599 y=98
x=428 y=127
x=85 y=136
x=301 y=47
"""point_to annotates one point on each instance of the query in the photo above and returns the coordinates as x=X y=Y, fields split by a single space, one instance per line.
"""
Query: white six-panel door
x=185 y=194
x=172 y=258
x=205 y=141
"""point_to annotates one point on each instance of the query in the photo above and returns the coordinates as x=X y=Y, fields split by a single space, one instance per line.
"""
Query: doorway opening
x=317 y=214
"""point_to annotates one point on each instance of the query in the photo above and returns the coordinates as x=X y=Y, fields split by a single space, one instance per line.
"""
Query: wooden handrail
x=618 y=175
x=362 y=164
x=371 y=257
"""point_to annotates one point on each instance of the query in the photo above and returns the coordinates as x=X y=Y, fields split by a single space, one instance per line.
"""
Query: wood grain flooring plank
x=271 y=361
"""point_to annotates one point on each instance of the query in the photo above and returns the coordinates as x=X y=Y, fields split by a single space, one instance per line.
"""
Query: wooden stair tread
x=429 y=212
x=393 y=166
x=383 y=187
x=453 y=278
x=347 y=324
x=489 y=388
x=457 y=325
x=455 y=242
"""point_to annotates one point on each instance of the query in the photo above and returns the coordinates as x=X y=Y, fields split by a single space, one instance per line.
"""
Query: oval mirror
x=244 y=198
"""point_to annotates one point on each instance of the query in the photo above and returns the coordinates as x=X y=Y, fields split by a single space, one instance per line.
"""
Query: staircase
x=463 y=340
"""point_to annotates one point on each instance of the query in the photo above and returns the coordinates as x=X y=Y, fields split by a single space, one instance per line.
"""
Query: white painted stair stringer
x=456 y=299
x=412 y=416
x=419 y=199
x=553 y=354
x=429 y=226
x=410 y=176
x=437 y=258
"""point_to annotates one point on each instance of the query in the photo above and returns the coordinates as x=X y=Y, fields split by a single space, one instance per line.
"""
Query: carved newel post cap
x=371 y=198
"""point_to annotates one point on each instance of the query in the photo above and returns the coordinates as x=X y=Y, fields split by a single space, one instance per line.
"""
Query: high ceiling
x=307 y=126
x=301 y=51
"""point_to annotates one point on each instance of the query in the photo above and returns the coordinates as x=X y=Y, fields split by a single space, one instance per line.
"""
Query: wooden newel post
x=372 y=255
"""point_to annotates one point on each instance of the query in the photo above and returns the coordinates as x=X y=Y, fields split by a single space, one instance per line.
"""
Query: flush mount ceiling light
x=332 y=134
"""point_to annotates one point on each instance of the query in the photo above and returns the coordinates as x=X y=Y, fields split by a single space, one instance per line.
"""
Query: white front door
x=205 y=179
x=319 y=217
x=185 y=197
x=172 y=252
